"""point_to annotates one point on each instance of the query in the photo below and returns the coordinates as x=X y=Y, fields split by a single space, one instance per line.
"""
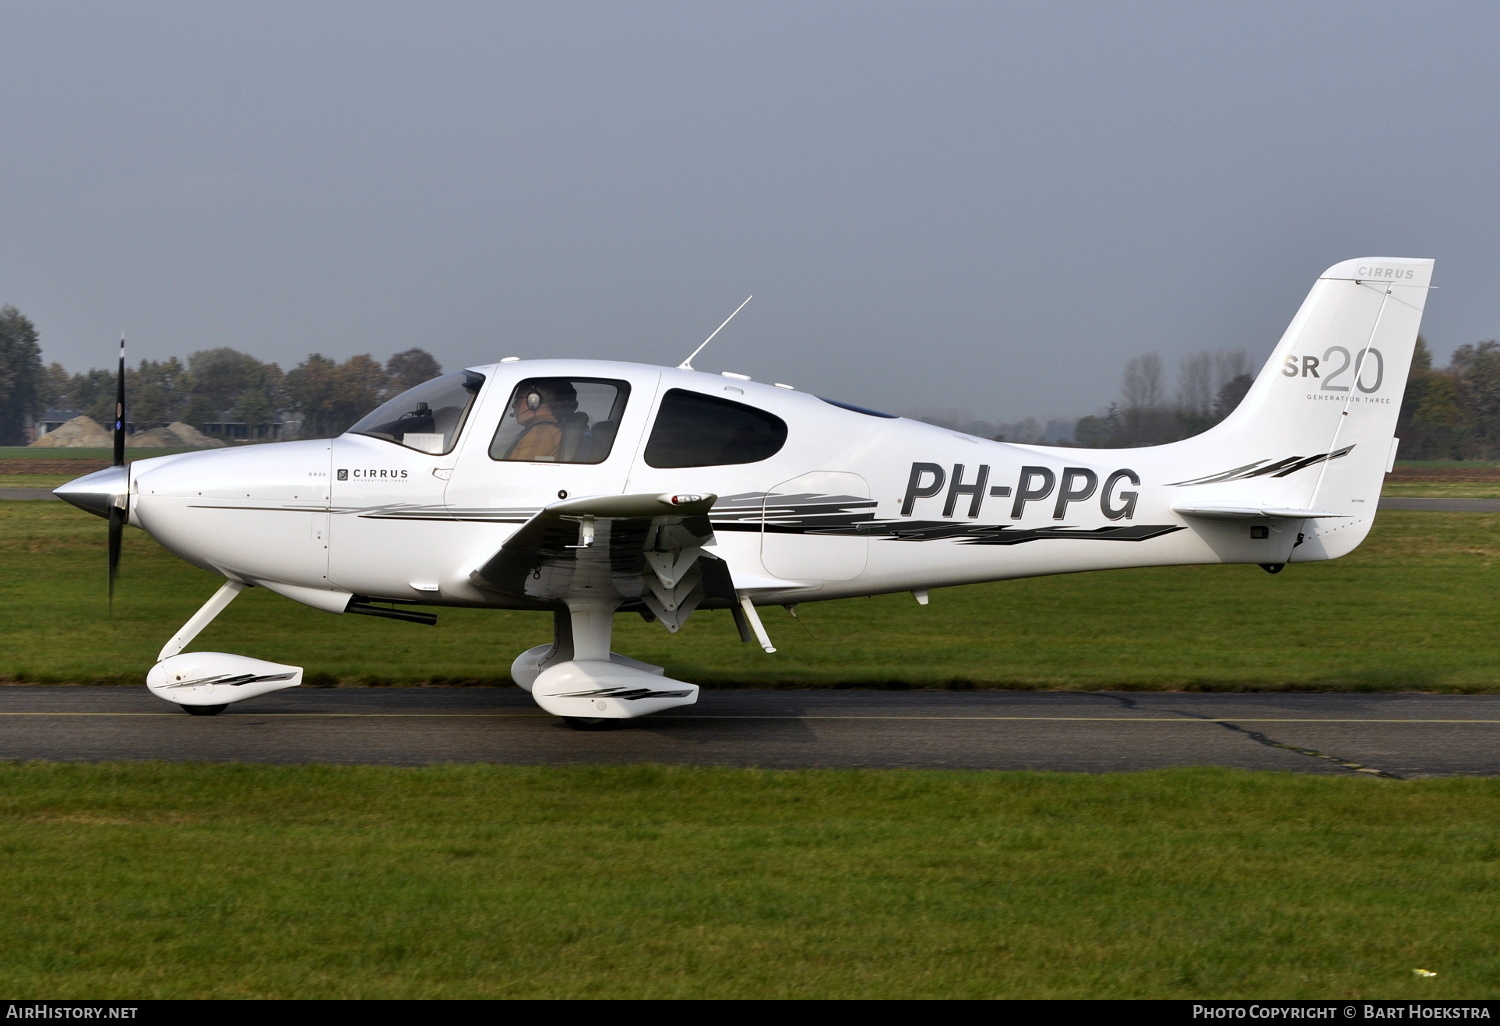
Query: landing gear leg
x=203 y=683
x=593 y=689
x=201 y=619
x=530 y=663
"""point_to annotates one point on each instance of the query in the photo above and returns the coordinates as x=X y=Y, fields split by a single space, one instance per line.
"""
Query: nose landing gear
x=203 y=683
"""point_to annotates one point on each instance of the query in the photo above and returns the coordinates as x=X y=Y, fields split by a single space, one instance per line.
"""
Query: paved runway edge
x=1380 y=736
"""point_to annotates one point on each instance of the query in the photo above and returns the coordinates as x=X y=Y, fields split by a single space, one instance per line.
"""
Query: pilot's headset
x=534 y=397
x=560 y=395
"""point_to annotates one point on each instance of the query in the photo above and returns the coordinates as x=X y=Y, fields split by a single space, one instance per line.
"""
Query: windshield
x=427 y=418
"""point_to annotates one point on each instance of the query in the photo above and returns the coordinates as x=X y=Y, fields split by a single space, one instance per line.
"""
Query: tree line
x=1449 y=413
x=1452 y=413
x=1446 y=413
x=212 y=386
x=1209 y=386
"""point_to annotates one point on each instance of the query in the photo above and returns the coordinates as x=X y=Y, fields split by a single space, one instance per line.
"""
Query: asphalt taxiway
x=1394 y=735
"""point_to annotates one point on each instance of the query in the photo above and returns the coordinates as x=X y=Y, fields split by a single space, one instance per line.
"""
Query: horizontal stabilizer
x=1227 y=512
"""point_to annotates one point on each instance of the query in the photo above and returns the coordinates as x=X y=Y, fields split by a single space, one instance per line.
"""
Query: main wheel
x=203 y=710
x=591 y=722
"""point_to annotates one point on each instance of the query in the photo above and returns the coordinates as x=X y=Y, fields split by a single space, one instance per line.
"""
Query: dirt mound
x=78 y=433
x=85 y=433
x=175 y=435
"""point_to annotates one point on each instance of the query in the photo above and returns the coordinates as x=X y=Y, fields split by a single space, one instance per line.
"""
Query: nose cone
x=99 y=491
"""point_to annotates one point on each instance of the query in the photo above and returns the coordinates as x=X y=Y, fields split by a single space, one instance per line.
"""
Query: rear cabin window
x=560 y=420
x=696 y=430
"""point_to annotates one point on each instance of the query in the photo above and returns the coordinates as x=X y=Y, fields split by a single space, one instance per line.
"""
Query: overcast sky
x=979 y=205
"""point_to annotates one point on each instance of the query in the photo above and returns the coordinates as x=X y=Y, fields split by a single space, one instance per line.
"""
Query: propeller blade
x=116 y=537
x=120 y=414
x=117 y=514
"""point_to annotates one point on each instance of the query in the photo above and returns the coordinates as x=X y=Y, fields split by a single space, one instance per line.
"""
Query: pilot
x=537 y=407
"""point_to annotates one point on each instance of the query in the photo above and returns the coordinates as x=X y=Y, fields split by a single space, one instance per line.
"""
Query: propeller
x=118 y=513
x=106 y=493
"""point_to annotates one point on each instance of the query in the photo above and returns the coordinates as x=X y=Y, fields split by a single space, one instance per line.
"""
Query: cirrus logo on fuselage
x=366 y=474
x=1035 y=484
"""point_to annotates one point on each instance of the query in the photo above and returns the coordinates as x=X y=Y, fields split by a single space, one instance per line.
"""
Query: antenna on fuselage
x=688 y=363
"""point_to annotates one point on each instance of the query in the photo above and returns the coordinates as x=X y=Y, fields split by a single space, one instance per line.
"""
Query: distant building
x=51 y=420
x=238 y=431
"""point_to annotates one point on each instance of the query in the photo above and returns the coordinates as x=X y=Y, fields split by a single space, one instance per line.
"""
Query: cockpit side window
x=560 y=420
x=427 y=418
x=696 y=430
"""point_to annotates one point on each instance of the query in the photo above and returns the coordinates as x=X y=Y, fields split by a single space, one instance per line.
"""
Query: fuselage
x=850 y=502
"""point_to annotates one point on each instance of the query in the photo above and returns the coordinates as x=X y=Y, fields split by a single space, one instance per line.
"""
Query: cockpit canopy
x=428 y=417
x=568 y=419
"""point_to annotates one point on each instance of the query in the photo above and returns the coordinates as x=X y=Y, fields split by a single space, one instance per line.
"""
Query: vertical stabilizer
x=1316 y=429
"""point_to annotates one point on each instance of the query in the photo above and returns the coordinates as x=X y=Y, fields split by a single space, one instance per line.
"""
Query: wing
x=639 y=551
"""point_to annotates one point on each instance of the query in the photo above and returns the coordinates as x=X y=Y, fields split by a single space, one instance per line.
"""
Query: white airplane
x=587 y=488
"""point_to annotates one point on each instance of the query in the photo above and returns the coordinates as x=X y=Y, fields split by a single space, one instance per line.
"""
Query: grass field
x=162 y=881
x=153 y=881
x=1413 y=609
x=24 y=452
x=1442 y=489
x=34 y=480
x=1457 y=479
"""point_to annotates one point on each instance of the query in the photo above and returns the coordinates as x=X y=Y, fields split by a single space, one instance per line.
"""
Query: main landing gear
x=579 y=679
